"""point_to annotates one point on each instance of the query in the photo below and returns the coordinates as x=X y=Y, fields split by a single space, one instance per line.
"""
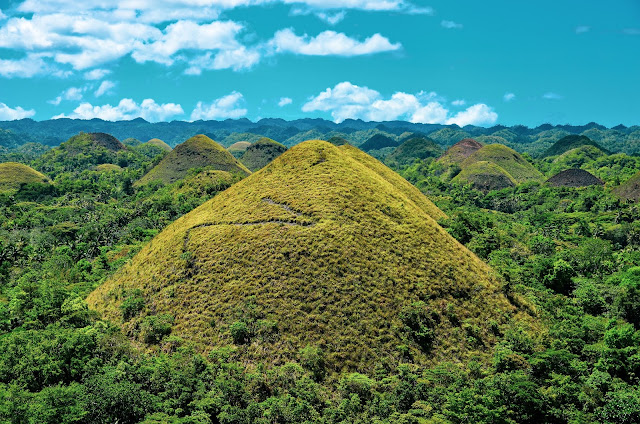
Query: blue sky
x=462 y=62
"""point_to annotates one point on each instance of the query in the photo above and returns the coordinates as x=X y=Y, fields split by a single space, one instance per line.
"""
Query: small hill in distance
x=337 y=141
x=508 y=159
x=238 y=148
x=485 y=176
x=159 y=143
x=13 y=175
x=457 y=153
x=377 y=142
x=574 y=178
x=324 y=247
x=108 y=167
x=630 y=190
x=570 y=142
x=197 y=152
x=414 y=148
x=261 y=153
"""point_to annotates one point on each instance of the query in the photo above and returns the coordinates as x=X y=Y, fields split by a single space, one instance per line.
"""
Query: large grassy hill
x=261 y=153
x=197 y=152
x=323 y=247
x=507 y=159
x=13 y=175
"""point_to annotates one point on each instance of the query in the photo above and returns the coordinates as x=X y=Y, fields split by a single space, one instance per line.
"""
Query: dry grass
x=359 y=244
x=13 y=174
x=159 y=143
x=261 y=153
x=197 y=152
x=507 y=159
x=485 y=176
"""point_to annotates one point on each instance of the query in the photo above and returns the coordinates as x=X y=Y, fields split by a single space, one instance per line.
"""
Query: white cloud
x=451 y=25
x=11 y=114
x=96 y=74
x=2 y=16
x=23 y=68
x=552 y=96
x=479 y=114
x=127 y=109
x=229 y=106
x=70 y=94
x=582 y=29
x=349 y=101
x=285 y=101
x=330 y=43
x=508 y=97
x=105 y=88
x=459 y=102
x=332 y=18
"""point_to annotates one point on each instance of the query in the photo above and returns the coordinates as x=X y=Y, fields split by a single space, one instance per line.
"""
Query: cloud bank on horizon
x=99 y=59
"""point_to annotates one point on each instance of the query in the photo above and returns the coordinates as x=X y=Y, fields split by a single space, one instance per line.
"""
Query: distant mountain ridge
x=356 y=132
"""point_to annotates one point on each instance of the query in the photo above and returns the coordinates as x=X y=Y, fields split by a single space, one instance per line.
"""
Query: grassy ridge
x=325 y=246
x=199 y=151
x=261 y=153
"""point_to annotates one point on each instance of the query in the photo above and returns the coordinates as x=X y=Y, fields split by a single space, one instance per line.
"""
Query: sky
x=447 y=61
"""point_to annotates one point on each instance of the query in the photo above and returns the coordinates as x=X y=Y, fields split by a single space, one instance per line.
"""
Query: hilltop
x=574 y=178
x=159 y=143
x=238 y=148
x=323 y=247
x=414 y=148
x=261 y=153
x=457 y=153
x=630 y=190
x=13 y=175
x=508 y=159
x=485 y=176
x=197 y=152
x=570 y=142
x=377 y=142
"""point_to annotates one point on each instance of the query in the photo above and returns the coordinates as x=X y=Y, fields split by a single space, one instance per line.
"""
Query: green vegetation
x=159 y=143
x=197 y=152
x=570 y=142
x=238 y=148
x=13 y=175
x=509 y=160
x=549 y=334
x=415 y=148
x=457 y=153
x=485 y=176
x=377 y=142
x=261 y=153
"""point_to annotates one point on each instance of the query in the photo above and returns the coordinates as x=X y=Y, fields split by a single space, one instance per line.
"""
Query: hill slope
x=322 y=247
x=414 y=148
x=507 y=159
x=261 y=153
x=238 y=148
x=630 y=190
x=457 y=153
x=574 y=178
x=159 y=143
x=198 y=151
x=378 y=141
x=485 y=176
x=570 y=142
x=13 y=175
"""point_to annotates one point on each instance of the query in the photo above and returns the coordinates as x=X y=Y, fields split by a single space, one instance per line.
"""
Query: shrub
x=154 y=328
x=240 y=332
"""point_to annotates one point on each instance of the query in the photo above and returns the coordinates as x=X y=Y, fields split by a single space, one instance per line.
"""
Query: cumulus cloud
x=332 y=18
x=127 y=109
x=285 y=101
x=70 y=94
x=11 y=114
x=329 y=43
x=552 y=96
x=104 y=88
x=350 y=101
x=451 y=25
x=479 y=114
x=23 y=68
x=96 y=74
x=229 y=106
x=508 y=97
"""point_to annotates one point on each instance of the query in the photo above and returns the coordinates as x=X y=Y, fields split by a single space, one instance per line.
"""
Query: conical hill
x=485 y=176
x=507 y=159
x=570 y=142
x=574 y=178
x=630 y=189
x=260 y=153
x=14 y=174
x=197 y=152
x=324 y=247
x=460 y=151
x=159 y=143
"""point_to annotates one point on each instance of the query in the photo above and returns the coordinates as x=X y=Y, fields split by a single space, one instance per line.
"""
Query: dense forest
x=565 y=255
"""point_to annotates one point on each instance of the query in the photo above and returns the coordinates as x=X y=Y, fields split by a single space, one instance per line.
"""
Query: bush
x=132 y=305
x=240 y=332
x=419 y=323
x=154 y=328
